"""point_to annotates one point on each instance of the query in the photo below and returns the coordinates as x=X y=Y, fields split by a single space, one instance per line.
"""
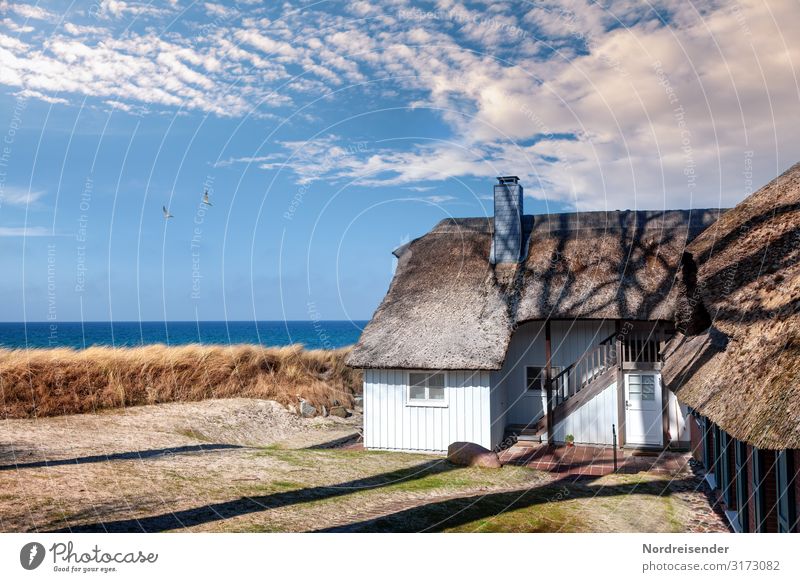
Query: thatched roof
x=744 y=373
x=448 y=308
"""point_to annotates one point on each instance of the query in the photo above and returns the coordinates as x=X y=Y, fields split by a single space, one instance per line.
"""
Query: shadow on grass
x=340 y=443
x=148 y=454
x=247 y=505
x=454 y=513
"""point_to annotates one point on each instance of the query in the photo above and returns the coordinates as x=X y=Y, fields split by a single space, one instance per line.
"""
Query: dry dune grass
x=49 y=382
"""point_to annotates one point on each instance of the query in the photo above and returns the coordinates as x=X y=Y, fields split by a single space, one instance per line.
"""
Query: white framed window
x=534 y=376
x=427 y=389
x=641 y=387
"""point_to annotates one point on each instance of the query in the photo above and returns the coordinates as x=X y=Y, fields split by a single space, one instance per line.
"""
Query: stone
x=307 y=410
x=339 y=411
x=472 y=455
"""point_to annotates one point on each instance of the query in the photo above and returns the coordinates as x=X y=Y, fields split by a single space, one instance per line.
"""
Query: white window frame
x=554 y=371
x=443 y=403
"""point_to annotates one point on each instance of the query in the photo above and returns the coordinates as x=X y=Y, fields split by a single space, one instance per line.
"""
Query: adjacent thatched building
x=545 y=325
x=741 y=375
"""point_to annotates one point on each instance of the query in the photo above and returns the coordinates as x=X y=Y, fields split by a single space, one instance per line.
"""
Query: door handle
x=627 y=405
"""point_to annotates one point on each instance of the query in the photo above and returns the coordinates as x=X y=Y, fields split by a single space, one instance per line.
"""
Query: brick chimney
x=507 y=239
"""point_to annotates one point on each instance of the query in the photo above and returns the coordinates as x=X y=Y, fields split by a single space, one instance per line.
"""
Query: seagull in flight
x=166 y=212
x=206 y=201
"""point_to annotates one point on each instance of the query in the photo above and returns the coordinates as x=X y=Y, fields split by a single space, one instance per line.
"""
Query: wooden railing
x=638 y=350
x=585 y=370
x=637 y=347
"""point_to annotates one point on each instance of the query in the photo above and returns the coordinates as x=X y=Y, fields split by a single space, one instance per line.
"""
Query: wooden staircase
x=527 y=434
x=589 y=375
x=570 y=389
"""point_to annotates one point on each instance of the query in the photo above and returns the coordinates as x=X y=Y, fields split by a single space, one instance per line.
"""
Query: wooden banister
x=590 y=366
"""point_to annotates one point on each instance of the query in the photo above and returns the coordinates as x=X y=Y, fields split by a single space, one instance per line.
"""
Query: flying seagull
x=206 y=201
x=166 y=212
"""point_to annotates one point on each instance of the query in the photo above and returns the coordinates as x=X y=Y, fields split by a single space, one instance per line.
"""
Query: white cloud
x=15 y=27
x=592 y=104
x=31 y=94
x=81 y=29
x=216 y=10
x=28 y=11
x=24 y=231
x=653 y=115
x=438 y=199
x=120 y=8
x=15 y=196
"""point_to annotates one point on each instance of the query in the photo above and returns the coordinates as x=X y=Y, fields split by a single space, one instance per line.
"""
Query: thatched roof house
x=539 y=326
x=743 y=373
x=450 y=308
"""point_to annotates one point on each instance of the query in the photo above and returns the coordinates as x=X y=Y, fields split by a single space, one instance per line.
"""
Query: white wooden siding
x=390 y=423
x=591 y=423
x=569 y=341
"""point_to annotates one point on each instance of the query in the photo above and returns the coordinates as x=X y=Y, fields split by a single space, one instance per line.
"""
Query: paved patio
x=592 y=461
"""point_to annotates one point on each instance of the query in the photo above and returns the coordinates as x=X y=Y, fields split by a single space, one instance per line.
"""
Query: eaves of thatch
x=744 y=372
x=449 y=308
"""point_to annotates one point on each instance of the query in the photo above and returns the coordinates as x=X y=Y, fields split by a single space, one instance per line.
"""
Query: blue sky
x=329 y=133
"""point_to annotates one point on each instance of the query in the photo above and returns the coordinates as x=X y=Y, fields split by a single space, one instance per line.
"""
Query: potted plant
x=570 y=440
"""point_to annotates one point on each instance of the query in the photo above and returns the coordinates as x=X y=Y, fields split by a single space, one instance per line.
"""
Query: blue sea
x=312 y=334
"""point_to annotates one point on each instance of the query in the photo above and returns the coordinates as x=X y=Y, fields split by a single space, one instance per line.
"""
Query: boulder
x=472 y=455
x=339 y=411
x=306 y=410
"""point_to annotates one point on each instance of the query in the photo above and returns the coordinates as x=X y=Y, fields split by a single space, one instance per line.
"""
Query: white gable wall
x=390 y=422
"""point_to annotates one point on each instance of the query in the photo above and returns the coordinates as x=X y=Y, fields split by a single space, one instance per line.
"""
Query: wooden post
x=548 y=380
x=664 y=399
x=620 y=384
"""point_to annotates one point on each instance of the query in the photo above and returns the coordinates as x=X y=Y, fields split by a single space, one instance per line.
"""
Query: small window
x=425 y=387
x=641 y=387
x=784 y=473
x=742 y=499
x=648 y=387
x=759 y=495
x=534 y=377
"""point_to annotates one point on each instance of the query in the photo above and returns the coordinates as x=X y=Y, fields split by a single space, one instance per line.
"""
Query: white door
x=643 y=424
